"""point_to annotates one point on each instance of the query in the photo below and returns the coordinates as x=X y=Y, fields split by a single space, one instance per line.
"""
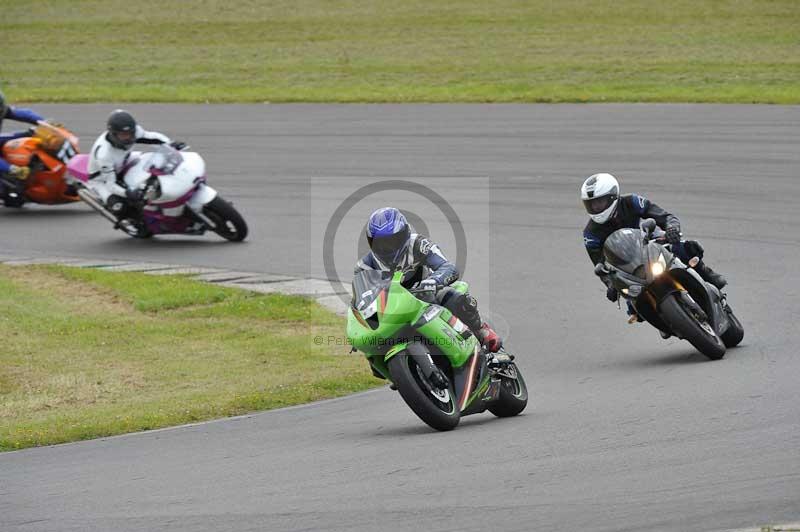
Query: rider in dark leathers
x=609 y=212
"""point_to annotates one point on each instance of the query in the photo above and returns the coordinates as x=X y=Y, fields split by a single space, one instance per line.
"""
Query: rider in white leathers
x=110 y=154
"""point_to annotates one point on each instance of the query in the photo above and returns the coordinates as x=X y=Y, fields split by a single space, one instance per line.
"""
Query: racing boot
x=710 y=276
x=488 y=338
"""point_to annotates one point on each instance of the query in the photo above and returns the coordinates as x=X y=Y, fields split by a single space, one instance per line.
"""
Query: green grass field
x=415 y=50
x=87 y=353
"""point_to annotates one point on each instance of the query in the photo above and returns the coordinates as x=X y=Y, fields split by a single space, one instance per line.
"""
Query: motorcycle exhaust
x=89 y=198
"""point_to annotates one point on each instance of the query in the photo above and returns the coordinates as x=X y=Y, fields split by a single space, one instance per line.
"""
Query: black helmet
x=121 y=129
x=3 y=106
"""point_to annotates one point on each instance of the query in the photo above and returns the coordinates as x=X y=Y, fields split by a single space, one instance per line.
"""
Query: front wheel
x=683 y=322
x=513 y=393
x=435 y=407
x=229 y=223
x=735 y=331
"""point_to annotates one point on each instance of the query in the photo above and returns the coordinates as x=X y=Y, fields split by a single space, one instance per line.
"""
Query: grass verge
x=416 y=50
x=87 y=353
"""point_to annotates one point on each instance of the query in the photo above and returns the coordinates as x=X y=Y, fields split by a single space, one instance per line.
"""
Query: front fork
x=665 y=290
x=204 y=195
x=423 y=359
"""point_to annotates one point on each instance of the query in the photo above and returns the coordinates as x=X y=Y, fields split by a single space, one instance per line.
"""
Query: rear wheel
x=134 y=228
x=700 y=334
x=13 y=202
x=230 y=224
x=434 y=406
x=513 y=393
x=14 y=198
x=735 y=331
x=12 y=192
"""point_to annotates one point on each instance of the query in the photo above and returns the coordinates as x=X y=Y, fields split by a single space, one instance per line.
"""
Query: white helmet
x=600 y=195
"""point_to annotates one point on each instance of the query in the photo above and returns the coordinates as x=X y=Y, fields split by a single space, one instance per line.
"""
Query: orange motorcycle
x=46 y=153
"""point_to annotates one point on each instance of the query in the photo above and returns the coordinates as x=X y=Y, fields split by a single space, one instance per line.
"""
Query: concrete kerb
x=318 y=289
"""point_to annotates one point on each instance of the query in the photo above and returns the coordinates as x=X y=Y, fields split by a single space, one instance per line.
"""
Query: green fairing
x=449 y=341
x=395 y=329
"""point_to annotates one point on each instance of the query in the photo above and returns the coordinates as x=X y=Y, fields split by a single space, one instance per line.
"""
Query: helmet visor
x=124 y=137
x=598 y=205
x=389 y=249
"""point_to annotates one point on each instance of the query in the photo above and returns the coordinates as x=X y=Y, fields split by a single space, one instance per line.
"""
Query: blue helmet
x=388 y=235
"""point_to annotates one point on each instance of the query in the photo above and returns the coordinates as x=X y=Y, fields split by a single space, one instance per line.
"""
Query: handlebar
x=417 y=290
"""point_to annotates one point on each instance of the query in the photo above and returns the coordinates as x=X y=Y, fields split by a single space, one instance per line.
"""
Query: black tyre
x=143 y=234
x=733 y=336
x=700 y=335
x=135 y=229
x=12 y=192
x=513 y=394
x=230 y=224
x=14 y=202
x=437 y=408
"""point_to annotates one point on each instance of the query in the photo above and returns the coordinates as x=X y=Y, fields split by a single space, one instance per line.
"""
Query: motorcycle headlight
x=371 y=309
x=658 y=267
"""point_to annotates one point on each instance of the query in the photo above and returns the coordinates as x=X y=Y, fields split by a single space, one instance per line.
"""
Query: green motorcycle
x=428 y=354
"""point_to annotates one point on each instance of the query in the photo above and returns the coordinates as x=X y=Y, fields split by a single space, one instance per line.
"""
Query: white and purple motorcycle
x=175 y=198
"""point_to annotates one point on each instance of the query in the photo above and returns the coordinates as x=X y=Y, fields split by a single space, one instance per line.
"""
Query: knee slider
x=693 y=249
x=457 y=302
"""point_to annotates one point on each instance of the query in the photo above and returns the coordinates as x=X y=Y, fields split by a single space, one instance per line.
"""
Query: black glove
x=673 y=234
x=178 y=145
x=611 y=294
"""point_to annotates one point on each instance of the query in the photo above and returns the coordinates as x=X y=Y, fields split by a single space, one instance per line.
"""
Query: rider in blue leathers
x=394 y=247
x=19 y=115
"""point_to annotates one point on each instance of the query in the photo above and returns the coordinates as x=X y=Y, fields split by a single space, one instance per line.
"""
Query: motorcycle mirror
x=648 y=225
x=600 y=269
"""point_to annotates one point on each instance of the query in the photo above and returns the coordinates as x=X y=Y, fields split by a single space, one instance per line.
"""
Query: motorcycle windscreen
x=623 y=249
x=367 y=285
x=165 y=160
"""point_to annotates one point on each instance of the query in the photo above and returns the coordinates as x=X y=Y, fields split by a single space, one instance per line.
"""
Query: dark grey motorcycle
x=667 y=293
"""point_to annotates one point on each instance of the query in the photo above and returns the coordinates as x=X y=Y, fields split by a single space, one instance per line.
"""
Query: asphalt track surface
x=623 y=431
